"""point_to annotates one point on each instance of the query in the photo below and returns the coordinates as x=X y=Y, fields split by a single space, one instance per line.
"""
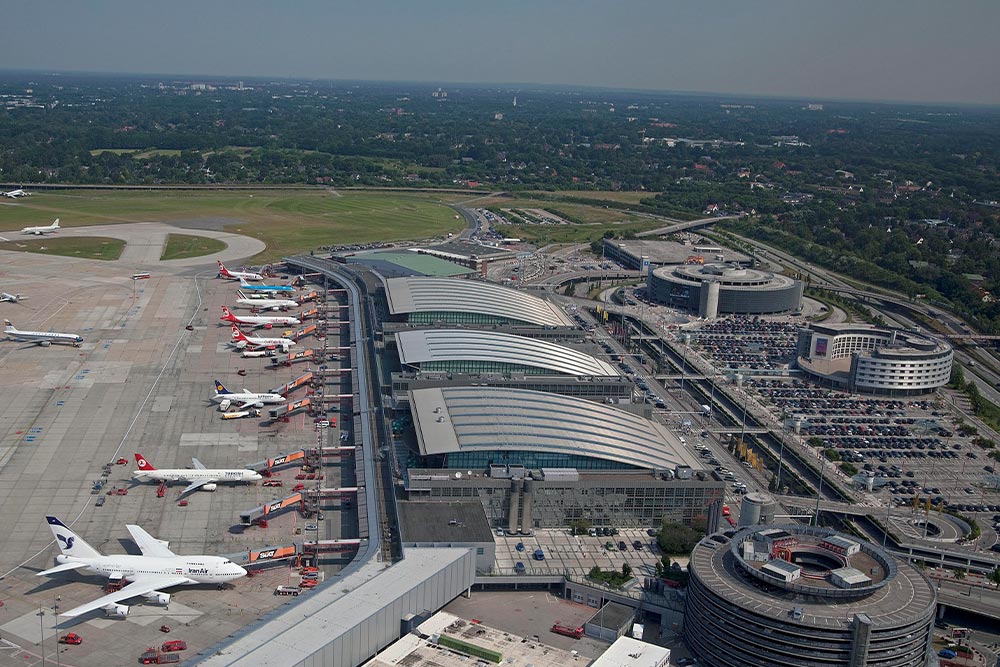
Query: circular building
x=874 y=361
x=715 y=289
x=793 y=595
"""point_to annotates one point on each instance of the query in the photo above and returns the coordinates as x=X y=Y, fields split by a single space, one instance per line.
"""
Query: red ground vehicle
x=273 y=482
x=122 y=461
x=308 y=583
x=71 y=638
x=164 y=628
x=298 y=487
x=121 y=492
x=725 y=510
x=182 y=503
x=174 y=645
x=567 y=630
x=153 y=657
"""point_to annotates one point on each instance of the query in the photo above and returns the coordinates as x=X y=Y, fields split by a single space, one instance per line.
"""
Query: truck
x=152 y=656
x=286 y=590
x=567 y=630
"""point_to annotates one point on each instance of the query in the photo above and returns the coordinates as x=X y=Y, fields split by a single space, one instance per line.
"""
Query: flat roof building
x=634 y=252
x=460 y=523
x=628 y=652
x=716 y=289
x=456 y=301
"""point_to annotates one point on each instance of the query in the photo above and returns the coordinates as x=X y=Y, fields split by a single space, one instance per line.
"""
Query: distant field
x=90 y=247
x=289 y=221
x=545 y=234
x=606 y=195
x=182 y=246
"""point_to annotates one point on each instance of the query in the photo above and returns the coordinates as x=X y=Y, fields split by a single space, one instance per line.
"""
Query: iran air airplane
x=265 y=288
x=47 y=229
x=244 y=399
x=241 y=340
x=199 y=477
x=264 y=304
x=266 y=321
x=237 y=275
x=43 y=338
x=157 y=568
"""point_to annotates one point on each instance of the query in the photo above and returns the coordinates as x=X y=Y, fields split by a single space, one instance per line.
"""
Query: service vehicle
x=286 y=590
x=72 y=638
x=567 y=630
x=152 y=656
x=174 y=645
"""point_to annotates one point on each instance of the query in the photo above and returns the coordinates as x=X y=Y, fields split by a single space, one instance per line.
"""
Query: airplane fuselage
x=236 y=475
x=43 y=337
x=267 y=303
x=199 y=569
x=250 y=398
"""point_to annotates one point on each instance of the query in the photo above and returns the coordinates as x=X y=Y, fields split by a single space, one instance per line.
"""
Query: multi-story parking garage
x=715 y=289
x=874 y=361
x=795 y=596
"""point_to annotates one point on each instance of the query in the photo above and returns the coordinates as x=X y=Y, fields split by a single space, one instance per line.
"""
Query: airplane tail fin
x=143 y=464
x=222 y=268
x=240 y=294
x=69 y=542
x=220 y=388
x=9 y=326
x=237 y=334
x=226 y=315
x=55 y=225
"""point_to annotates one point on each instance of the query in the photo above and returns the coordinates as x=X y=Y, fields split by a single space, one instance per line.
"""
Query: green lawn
x=89 y=247
x=182 y=246
x=581 y=212
x=604 y=195
x=288 y=221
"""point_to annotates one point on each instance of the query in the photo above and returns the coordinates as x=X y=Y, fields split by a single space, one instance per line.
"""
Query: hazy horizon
x=915 y=51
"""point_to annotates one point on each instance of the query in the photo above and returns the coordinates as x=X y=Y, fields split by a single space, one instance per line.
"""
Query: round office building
x=715 y=289
x=797 y=596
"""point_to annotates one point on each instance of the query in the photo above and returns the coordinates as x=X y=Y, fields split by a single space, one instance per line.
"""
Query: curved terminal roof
x=426 y=294
x=459 y=419
x=429 y=345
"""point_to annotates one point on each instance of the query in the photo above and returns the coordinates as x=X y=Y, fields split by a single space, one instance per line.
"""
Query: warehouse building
x=724 y=289
x=539 y=460
x=790 y=596
x=871 y=360
x=636 y=253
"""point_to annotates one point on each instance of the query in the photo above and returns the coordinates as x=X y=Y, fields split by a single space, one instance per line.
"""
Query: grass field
x=604 y=195
x=90 y=247
x=182 y=246
x=288 y=222
x=545 y=234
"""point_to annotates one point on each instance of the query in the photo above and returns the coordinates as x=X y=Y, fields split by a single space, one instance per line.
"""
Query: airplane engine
x=157 y=597
x=241 y=344
x=116 y=610
x=258 y=405
x=209 y=487
x=224 y=405
x=45 y=343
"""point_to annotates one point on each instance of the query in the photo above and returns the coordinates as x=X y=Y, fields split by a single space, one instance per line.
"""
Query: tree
x=676 y=538
x=994 y=576
x=626 y=570
x=960 y=574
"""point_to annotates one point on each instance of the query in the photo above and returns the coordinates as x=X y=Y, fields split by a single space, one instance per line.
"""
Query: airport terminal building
x=712 y=290
x=540 y=460
x=870 y=360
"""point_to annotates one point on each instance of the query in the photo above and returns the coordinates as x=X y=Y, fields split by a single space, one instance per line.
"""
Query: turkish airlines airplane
x=266 y=321
x=241 y=340
x=198 y=477
x=157 y=568
x=237 y=275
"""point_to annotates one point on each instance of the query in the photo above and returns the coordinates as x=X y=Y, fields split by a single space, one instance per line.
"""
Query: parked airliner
x=43 y=338
x=237 y=275
x=241 y=340
x=199 y=477
x=47 y=229
x=266 y=321
x=157 y=568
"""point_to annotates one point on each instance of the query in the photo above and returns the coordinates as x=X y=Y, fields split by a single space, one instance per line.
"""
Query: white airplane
x=266 y=321
x=199 y=477
x=14 y=194
x=265 y=288
x=47 y=229
x=244 y=399
x=11 y=298
x=237 y=275
x=264 y=304
x=43 y=338
x=157 y=568
x=241 y=340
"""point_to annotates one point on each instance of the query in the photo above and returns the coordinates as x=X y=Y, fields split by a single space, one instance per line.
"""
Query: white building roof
x=430 y=294
x=444 y=345
x=457 y=419
x=628 y=652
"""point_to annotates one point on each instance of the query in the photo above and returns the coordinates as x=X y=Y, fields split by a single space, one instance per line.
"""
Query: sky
x=898 y=50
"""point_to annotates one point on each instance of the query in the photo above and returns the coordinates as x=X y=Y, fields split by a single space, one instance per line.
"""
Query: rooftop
x=412 y=651
x=455 y=419
x=424 y=294
x=612 y=616
x=670 y=252
x=628 y=652
x=443 y=345
x=406 y=262
x=444 y=522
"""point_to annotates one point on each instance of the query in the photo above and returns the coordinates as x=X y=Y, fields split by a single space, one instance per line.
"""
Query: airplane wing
x=140 y=586
x=149 y=545
x=65 y=567
x=198 y=464
x=195 y=485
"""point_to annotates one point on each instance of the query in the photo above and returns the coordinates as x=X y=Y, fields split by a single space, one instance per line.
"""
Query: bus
x=144 y=275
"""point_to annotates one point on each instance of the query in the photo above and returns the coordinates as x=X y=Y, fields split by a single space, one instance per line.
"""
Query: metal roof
x=428 y=294
x=456 y=419
x=413 y=262
x=428 y=345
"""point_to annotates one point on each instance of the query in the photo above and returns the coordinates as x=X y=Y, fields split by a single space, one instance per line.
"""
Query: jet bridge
x=289 y=387
x=288 y=409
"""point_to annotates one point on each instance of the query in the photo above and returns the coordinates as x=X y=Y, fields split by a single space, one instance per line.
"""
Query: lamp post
x=55 y=619
x=41 y=632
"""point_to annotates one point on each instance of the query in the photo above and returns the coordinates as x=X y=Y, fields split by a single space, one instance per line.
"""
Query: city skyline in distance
x=917 y=51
